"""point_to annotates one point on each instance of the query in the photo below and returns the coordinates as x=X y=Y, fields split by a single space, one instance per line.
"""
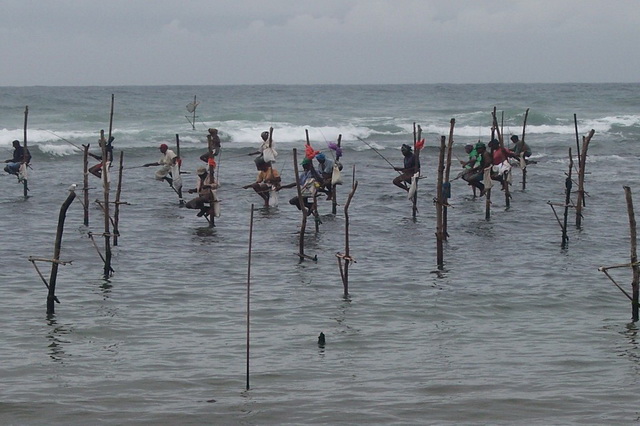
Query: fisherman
x=472 y=156
x=410 y=168
x=264 y=144
x=20 y=155
x=476 y=174
x=168 y=160
x=307 y=179
x=499 y=161
x=97 y=169
x=214 y=143
x=268 y=180
x=204 y=188
x=325 y=170
x=520 y=148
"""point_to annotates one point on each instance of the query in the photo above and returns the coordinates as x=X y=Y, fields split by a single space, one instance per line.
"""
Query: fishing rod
x=378 y=152
x=67 y=141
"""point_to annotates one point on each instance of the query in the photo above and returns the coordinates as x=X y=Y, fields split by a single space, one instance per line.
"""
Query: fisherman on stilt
x=205 y=188
x=169 y=168
x=96 y=170
x=408 y=170
x=267 y=183
x=20 y=156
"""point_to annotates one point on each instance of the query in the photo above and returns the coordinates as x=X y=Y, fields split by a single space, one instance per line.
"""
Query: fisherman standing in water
x=408 y=170
x=168 y=161
x=20 y=156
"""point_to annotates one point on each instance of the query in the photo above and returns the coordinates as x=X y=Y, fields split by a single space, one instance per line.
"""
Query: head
x=213 y=131
x=406 y=149
x=468 y=148
x=264 y=135
x=481 y=147
x=16 y=144
x=320 y=157
x=514 y=138
x=306 y=164
x=201 y=171
x=164 y=148
x=494 y=144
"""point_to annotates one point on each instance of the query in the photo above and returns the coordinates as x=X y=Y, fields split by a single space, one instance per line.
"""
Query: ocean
x=514 y=329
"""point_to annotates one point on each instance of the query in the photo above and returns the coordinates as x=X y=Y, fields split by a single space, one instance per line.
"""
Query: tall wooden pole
x=524 y=169
x=106 y=208
x=303 y=225
x=25 y=186
x=181 y=201
x=51 y=297
x=249 y=291
x=568 y=183
x=416 y=153
x=334 y=200
x=85 y=189
x=344 y=273
x=447 y=184
x=634 y=255
x=581 y=171
x=439 y=206
x=193 y=120
x=116 y=208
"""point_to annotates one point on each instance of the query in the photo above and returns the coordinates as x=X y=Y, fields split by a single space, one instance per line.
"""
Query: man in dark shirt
x=20 y=155
x=408 y=170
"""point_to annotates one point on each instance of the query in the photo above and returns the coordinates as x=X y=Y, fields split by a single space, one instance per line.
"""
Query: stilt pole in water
x=581 y=171
x=524 y=169
x=568 y=183
x=303 y=209
x=51 y=298
x=334 y=200
x=440 y=206
x=181 y=200
x=346 y=257
x=416 y=152
x=446 y=186
x=106 y=208
x=25 y=186
x=85 y=188
x=116 y=208
x=634 y=255
x=249 y=290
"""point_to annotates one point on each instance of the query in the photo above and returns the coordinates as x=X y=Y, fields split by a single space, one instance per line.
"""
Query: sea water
x=513 y=330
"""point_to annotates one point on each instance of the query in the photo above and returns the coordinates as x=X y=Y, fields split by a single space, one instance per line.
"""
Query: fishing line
x=378 y=152
x=69 y=142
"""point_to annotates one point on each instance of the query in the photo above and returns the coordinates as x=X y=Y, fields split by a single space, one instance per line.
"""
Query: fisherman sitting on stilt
x=266 y=183
x=501 y=166
x=205 y=189
x=169 y=162
x=404 y=179
x=20 y=156
x=307 y=180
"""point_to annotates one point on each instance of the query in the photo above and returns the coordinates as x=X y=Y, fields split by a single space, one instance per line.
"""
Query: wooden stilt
x=85 y=188
x=439 y=207
x=580 y=203
x=634 y=255
x=25 y=186
x=106 y=208
x=249 y=291
x=51 y=297
x=346 y=257
x=447 y=183
x=416 y=152
x=116 y=208
x=524 y=169
x=179 y=190
x=567 y=201
x=334 y=199
x=303 y=209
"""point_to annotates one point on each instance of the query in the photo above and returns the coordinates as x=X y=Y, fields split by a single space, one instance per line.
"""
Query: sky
x=225 y=42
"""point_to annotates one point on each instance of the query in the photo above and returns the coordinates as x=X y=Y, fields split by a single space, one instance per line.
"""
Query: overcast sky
x=158 y=42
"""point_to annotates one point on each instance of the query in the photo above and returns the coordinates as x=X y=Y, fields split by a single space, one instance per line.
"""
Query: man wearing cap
x=408 y=170
x=325 y=170
x=268 y=179
x=168 y=160
x=204 y=188
x=307 y=178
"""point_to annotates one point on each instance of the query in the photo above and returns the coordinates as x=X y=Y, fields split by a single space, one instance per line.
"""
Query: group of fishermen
x=313 y=178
